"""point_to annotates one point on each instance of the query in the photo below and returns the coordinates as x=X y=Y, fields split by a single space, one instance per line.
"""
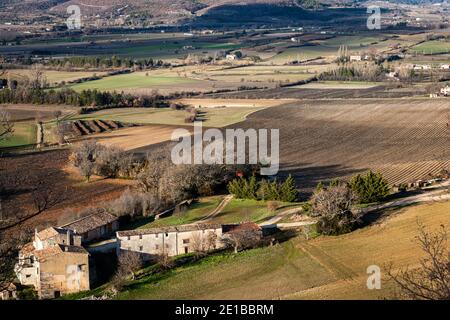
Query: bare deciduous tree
x=6 y=125
x=86 y=168
x=431 y=281
x=57 y=114
x=211 y=241
x=242 y=239
x=62 y=131
x=157 y=163
x=163 y=259
x=198 y=245
x=128 y=263
x=37 y=78
x=333 y=207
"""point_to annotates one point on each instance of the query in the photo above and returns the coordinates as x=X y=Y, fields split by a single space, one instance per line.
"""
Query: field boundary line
x=338 y=269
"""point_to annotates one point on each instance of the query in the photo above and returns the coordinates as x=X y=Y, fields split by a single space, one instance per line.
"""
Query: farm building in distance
x=445 y=91
x=96 y=226
x=355 y=58
x=54 y=263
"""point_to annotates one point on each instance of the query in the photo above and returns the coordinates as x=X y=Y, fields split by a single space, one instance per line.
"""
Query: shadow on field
x=378 y=216
x=307 y=175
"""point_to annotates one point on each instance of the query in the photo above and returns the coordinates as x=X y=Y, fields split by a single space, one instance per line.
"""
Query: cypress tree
x=288 y=190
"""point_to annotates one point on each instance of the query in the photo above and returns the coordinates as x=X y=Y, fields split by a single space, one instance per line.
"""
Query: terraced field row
x=86 y=127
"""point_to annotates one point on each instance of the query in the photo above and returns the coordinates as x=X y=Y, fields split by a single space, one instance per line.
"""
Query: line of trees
x=106 y=62
x=85 y=98
x=244 y=188
x=355 y=72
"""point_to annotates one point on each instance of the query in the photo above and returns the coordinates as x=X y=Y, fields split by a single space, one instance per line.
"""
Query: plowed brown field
x=404 y=139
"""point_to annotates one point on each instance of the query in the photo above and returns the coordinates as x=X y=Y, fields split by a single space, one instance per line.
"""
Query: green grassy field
x=236 y=211
x=172 y=49
x=432 y=47
x=325 y=48
x=136 y=80
x=55 y=77
x=196 y=211
x=24 y=134
x=217 y=277
x=239 y=210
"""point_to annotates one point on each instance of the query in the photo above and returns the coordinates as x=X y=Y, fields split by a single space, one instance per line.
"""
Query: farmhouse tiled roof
x=51 y=251
x=246 y=226
x=182 y=228
x=91 y=222
x=27 y=248
x=49 y=233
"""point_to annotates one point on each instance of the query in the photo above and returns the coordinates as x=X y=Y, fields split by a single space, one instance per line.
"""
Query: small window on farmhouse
x=141 y=248
x=28 y=275
x=128 y=238
x=167 y=234
x=156 y=235
x=140 y=236
x=157 y=247
x=185 y=241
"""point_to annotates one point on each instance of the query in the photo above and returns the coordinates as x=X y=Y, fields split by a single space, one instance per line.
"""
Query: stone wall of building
x=63 y=273
x=172 y=243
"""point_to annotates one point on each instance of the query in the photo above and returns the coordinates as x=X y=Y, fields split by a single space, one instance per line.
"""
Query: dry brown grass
x=137 y=137
x=392 y=241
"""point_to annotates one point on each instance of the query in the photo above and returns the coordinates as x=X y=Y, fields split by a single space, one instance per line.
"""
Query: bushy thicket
x=371 y=187
x=332 y=206
x=243 y=188
x=160 y=183
x=92 y=158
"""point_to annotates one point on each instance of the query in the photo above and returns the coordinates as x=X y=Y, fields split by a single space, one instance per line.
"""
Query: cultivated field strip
x=406 y=140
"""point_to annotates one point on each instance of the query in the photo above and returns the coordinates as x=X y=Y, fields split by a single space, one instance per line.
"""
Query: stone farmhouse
x=176 y=240
x=93 y=227
x=173 y=241
x=55 y=263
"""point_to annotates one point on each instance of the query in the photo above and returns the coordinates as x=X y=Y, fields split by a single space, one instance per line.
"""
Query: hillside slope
x=321 y=268
x=170 y=10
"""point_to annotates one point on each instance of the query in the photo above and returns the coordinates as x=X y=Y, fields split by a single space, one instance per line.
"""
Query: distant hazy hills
x=150 y=7
x=161 y=10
